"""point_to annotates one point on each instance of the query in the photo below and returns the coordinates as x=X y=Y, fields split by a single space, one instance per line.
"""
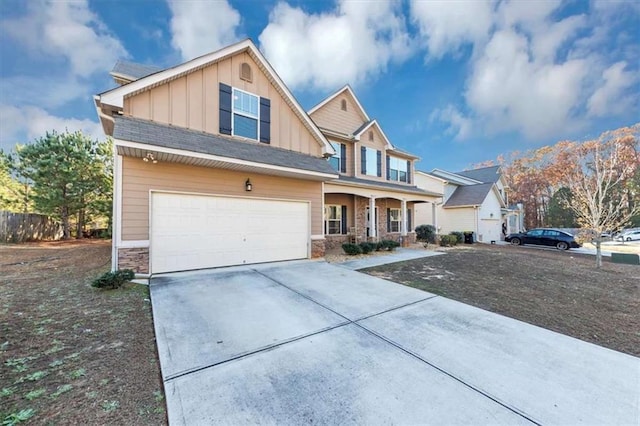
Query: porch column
x=373 y=226
x=434 y=215
x=404 y=218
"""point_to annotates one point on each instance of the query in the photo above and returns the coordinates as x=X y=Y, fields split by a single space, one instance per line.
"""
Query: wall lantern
x=247 y=185
x=149 y=158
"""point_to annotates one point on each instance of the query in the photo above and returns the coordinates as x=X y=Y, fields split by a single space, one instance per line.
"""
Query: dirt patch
x=560 y=291
x=72 y=354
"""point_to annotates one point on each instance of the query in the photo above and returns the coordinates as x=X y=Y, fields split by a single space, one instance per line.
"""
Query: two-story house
x=373 y=176
x=217 y=164
x=474 y=200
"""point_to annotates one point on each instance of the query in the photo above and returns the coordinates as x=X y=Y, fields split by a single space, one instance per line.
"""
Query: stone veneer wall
x=317 y=248
x=136 y=259
x=335 y=241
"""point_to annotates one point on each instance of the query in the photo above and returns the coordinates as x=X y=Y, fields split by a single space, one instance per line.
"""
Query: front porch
x=348 y=218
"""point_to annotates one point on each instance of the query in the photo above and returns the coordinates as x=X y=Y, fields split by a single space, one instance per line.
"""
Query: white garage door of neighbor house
x=197 y=231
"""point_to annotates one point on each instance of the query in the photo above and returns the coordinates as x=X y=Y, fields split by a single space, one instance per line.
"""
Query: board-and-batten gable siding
x=138 y=178
x=332 y=117
x=192 y=101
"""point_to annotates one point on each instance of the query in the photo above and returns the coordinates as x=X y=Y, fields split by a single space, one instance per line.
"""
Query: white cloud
x=613 y=96
x=24 y=124
x=69 y=30
x=446 y=26
x=356 y=41
x=199 y=27
x=458 y=124
x=52 y=92
x=529 y=72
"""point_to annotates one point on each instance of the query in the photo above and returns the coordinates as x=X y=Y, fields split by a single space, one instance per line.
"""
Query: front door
x=369 y=221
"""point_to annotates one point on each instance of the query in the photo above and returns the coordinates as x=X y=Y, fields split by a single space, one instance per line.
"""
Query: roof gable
x=346 y=90
x=115 y=97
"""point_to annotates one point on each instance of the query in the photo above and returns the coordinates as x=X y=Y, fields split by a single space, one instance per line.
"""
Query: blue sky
x=455 y=82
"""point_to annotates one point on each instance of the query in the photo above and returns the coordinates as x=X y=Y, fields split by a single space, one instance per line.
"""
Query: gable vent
x=343 y=104
x=370 y=135
x=245 y=72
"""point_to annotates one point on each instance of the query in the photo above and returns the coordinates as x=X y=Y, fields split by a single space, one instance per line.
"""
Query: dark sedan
x=544 y=237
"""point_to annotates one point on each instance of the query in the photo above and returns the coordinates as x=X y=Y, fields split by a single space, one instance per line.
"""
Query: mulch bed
x=560 y=291
x=69 y=353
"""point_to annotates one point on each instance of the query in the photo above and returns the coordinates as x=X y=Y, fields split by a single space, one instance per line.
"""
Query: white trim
x=375 y=121
x=147 y=147
x=115 y=97
x=317 y=237
x=328 y=99
x=134 y=244
x=116 y=224
x=455 y=178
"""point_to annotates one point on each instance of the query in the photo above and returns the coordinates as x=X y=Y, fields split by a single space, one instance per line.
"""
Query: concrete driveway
x=311 y=342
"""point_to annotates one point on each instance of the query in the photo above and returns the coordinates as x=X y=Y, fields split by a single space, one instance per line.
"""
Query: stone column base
x=136 y=259
x=317 y=248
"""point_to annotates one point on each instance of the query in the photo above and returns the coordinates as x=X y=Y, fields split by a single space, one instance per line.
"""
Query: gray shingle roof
x=471 y=195
x=485 y=174
x=387 y=185
x=133 y=70
x=148 y=132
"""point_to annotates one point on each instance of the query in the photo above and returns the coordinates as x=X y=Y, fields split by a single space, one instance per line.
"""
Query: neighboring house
x=217 y=164
x=474 y=200
x=374 y=176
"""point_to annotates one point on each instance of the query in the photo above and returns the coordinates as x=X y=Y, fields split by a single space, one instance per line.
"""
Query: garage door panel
x=194 y=232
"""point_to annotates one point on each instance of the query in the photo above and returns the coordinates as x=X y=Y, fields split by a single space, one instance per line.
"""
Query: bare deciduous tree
x=597 y=172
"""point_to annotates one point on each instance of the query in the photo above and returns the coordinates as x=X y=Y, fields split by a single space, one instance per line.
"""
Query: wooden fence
x=21 y=227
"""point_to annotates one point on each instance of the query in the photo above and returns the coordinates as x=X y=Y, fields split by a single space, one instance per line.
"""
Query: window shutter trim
x=344 y=220
x=408 y=171
x=408 y=220
x=388 y=220
x=265 y=120
x=388 y=168
x=225 y=109
x=363 y=160
x=379 y=162
x=343 y=158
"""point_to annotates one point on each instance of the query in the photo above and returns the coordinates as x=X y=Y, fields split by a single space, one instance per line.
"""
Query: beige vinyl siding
x=192 y=101
x=138 y=178
x=461 y=219
x=428 y=183
x=332 y=117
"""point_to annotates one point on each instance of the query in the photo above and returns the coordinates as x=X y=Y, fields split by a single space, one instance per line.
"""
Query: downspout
x=476 y=220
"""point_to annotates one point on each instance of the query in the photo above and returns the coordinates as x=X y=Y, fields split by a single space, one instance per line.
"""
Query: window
x=336 y=160
x=245 y=114
x=371 y=162
x=395 y=220
x=333 y=219
x=397 y=169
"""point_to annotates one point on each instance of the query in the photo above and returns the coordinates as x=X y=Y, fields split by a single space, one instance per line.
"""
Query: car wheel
x=516 y=241
x=561 y=245
x=628 y=238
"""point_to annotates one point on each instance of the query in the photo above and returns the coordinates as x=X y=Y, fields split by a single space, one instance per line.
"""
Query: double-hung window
x=245 y=114
x=333 y=219
x=371 y=162
x=336 y=160
x=395 y=220
x=397 y=169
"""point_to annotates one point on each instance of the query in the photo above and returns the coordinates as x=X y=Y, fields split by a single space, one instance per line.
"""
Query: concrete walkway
x=398 y=255
x=310 y=342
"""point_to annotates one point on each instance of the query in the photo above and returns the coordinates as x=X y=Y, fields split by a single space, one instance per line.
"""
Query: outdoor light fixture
x=247 y=185
x=149 y=157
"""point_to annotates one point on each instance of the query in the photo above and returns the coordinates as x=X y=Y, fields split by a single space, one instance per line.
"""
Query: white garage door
x=197 y=231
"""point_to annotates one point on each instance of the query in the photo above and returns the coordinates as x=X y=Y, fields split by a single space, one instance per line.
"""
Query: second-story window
x=337 y=160
x=370 y=160
x=245 y=114
x=398 y=169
